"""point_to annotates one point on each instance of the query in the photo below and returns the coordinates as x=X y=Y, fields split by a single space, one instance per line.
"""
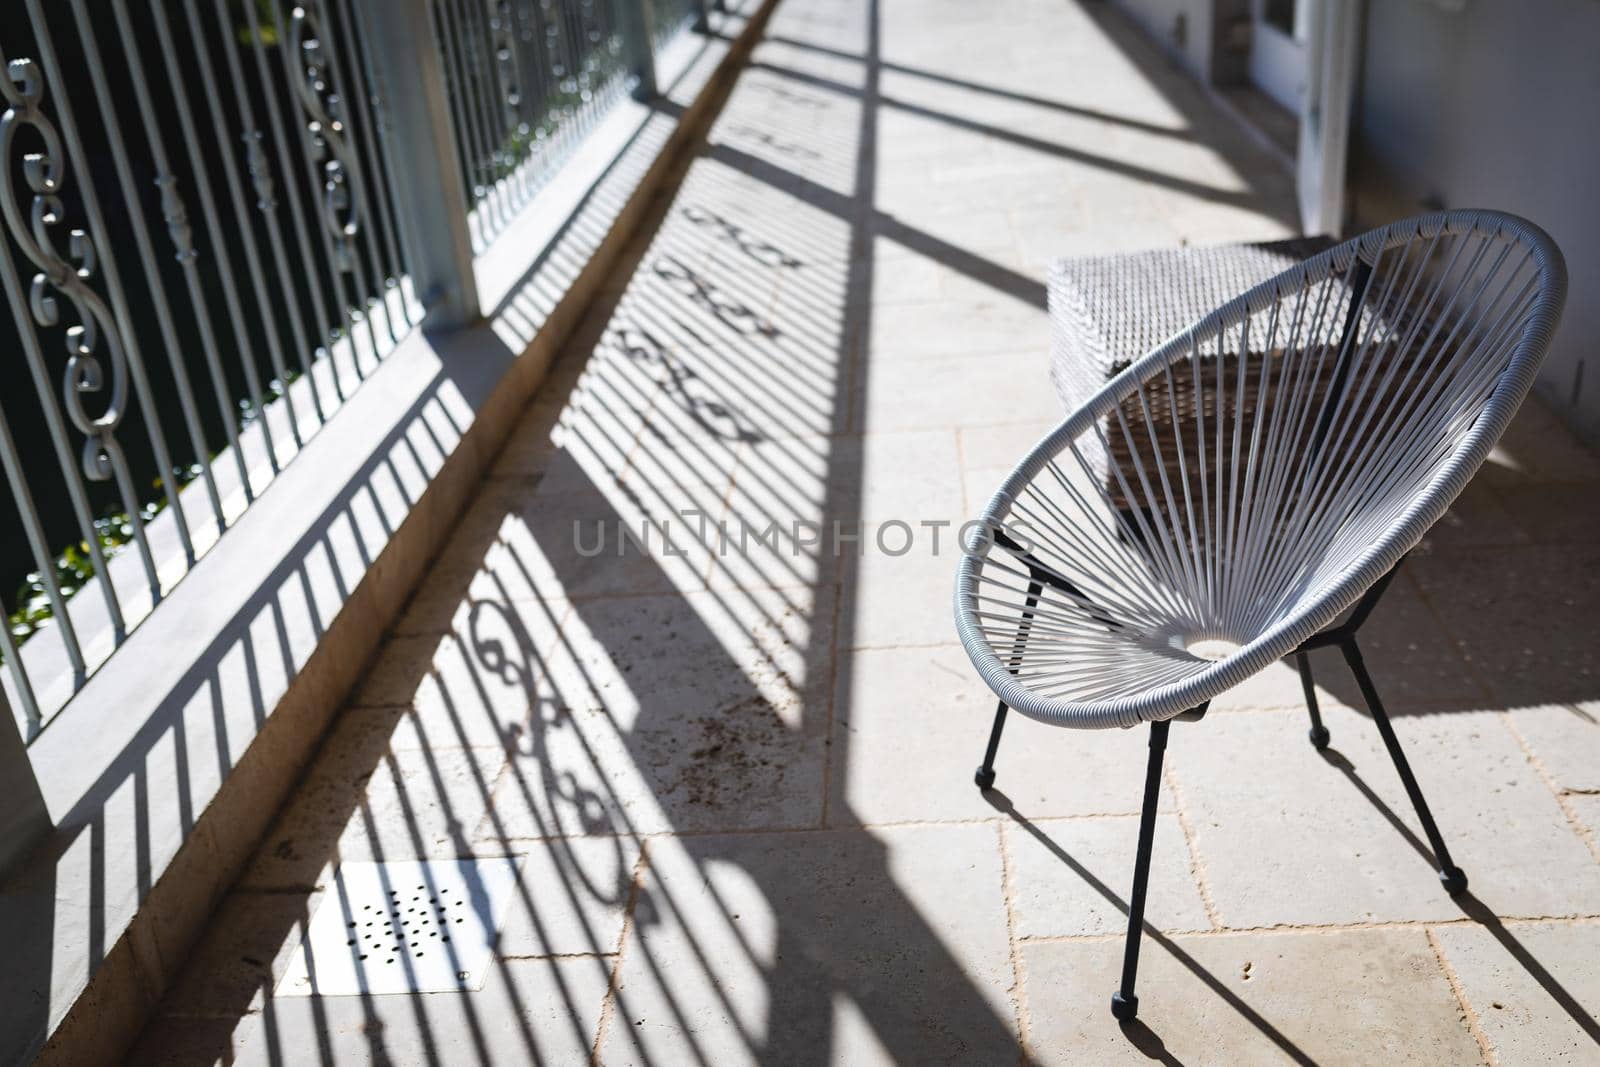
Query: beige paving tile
x=992 y=322
x=1208 y=224
x=452 y=600
x=788 y=387
x=595 y=543
x=1565 y=739
x=805 y=477
x=1119 y=233
x=531 y=446
x=467 y=557
x=596 y=432
x=952 y=187
x=910 y=726
x=711 y=649
x=244 y=952
x=1479 y=516
x=572 y=536
x=1278 y=686
x=880 y=477
x=779 y=380
x=1050 y=230
x=1538 y=448
x=570 y=899
x=184 y=1041
x=907 y=477
x=1287 y=836
x=1524 y=618
x=901 y=600
x=1410 y=657
x=1002 y=447
x=529 y=1011
x=474 y=686
x=1072 y=877
x=906 y=268
x=1586 y=806
x=902 y=275
x=977 y=229
x=681 y=473
x=772 y=532
x=703 y=712
x=796 y=57
x=993 y=388
x=990 y=453
x=305 y=832
x=748 y=949
x=1351 y=996
x=1534 y=988
x=363 y=802
x=1555 y=512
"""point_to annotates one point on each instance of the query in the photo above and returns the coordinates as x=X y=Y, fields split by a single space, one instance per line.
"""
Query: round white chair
x=1244 y=492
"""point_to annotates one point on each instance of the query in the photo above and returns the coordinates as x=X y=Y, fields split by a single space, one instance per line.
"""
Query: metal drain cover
x=424 y=926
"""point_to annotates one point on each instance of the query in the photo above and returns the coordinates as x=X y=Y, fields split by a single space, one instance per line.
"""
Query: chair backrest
x=1246 y=481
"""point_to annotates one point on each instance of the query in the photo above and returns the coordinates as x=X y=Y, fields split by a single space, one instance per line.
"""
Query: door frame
x=1333 y=44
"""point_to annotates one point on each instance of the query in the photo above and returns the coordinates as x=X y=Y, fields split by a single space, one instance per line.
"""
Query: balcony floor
x=739 y=783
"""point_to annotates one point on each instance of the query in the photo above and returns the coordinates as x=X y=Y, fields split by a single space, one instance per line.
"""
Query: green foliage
x=565 y=102
x=269 y=30
x=74 y=565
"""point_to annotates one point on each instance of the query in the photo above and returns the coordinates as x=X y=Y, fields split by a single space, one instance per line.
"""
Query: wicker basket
x=1107 y=311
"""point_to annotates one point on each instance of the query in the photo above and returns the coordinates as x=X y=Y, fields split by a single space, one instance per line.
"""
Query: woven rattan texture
x=1107 y=311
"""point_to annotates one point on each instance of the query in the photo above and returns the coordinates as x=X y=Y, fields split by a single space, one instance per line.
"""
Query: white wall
x=1494 y=105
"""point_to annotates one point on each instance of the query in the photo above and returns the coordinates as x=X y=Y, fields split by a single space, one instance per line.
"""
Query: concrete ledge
x=163 y=774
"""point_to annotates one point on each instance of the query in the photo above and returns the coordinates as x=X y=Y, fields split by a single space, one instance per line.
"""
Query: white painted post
x=1332 y=46
x=638 y=25
x=430 y=188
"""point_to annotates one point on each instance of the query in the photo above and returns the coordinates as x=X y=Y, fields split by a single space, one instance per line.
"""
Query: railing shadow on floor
x=571 y=791
x=586 y=738
x=120 y=829
x=563 y=760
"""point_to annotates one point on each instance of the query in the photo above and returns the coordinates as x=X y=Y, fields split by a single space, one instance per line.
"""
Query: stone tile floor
x=736 y=771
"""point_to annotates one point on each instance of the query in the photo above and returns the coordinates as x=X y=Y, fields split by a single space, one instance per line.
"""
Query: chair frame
x=1124 y=1002
x=1318 y=626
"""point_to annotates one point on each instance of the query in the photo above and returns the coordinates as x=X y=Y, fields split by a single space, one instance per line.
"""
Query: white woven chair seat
x=1228 y=495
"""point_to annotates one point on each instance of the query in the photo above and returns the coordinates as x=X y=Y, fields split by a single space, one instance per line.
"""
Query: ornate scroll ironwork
x=176 y=217
x=66 y=275
x=326 y=126
x=255 y=161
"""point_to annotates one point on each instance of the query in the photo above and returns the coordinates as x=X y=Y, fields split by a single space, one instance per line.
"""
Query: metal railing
x=219 y=216
x=526 y=79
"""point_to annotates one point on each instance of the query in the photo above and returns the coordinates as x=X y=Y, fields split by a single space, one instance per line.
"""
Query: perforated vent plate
x=404 y=927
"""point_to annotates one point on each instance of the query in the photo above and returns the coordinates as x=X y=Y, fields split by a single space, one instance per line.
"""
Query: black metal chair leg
x=1319 y=732
x=985 y=774
x=1454 y=879
x=1124 y=1005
